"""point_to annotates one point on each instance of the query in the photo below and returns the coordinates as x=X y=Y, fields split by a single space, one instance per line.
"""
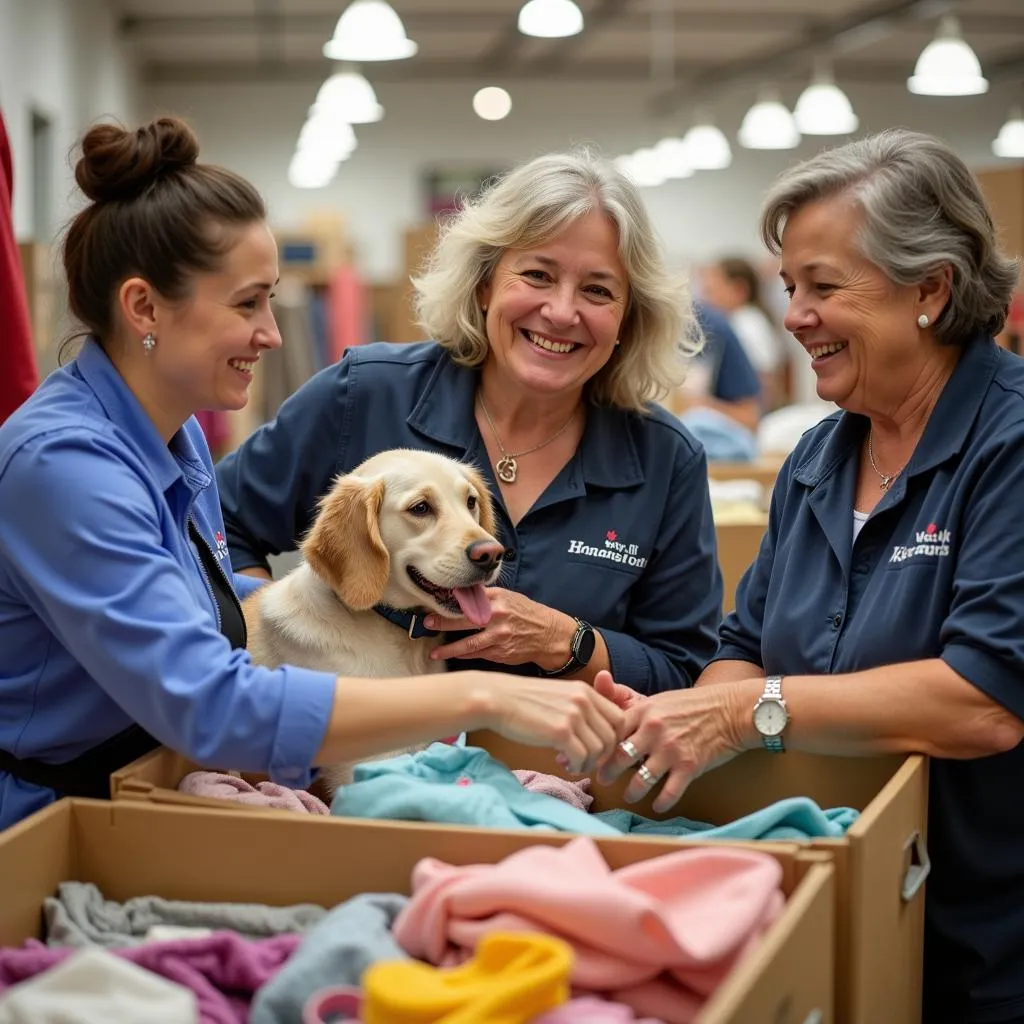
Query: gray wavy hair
x=529 y=206
x=923 y=210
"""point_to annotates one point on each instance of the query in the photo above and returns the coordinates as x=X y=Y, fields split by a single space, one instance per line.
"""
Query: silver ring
x=626 y=746
x=646 y=774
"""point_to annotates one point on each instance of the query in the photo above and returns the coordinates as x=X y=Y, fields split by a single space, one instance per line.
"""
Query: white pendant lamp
x=1010 y=141
x=674 y=156
x=369 y=30
x=947 y=65
x=823 y=108
x=768 y=124
x=348 y=96
x=550 y=19
x=492 y=103
x=707 y=147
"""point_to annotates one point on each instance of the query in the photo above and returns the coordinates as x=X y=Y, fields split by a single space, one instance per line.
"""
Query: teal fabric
x=457 y=786
x=791 y=819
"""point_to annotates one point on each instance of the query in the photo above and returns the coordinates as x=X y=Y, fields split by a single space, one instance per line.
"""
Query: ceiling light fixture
x=823 y=108
x=947 y=65
x=707 y=147
x=768 y=124
x=1010 y=140
x=550 y=19
x=369 y=30
x=492 y=103
x=349 y=97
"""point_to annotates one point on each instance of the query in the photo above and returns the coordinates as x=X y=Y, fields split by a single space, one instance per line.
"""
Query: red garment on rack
x=346 y=311
x=18 y=373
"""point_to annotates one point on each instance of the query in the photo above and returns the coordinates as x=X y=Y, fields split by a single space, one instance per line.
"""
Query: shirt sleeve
x=677 y=602
x=102 y=579
x=737 y=380
x=270 y=485
x=246 y=585
x=981 y=637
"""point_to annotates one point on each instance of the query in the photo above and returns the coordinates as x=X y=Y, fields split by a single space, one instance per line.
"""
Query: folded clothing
x=80 y=916
x=794 y=818
x=457 y=785
x=92 y=986
x=336 y=951
x=658 y=935
x=224 y=970
x=263 y=794
x=591 y=1010
x=576 y=793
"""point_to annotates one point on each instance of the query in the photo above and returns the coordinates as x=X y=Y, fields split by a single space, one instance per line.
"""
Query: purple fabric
x=591 y=1010
x=264 y=794
x=223 y=970
x=574 y=793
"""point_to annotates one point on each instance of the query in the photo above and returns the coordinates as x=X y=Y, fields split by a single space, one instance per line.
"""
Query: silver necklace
x=507 y=467
x=885 y=481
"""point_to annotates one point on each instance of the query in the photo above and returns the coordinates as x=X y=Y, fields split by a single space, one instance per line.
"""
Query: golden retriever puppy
x=406 y=531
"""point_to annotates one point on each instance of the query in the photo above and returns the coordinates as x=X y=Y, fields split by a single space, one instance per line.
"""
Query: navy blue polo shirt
x=622 y=537
x=733 y=377
x=936 y=572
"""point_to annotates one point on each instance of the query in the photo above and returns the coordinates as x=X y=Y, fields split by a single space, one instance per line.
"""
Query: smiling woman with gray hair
x=885 y=610
x=556 y=325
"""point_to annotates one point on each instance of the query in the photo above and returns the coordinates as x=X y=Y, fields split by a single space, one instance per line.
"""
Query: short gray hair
x=923 y=210
x=529 y=206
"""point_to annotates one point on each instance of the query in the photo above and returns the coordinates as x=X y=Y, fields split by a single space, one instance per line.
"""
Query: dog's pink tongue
x=474 y=603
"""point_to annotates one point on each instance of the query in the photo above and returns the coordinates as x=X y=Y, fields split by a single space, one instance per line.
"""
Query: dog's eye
x=421 y=508
x=471 y=502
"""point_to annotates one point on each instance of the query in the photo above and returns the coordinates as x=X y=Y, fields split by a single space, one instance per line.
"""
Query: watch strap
x=574 y=661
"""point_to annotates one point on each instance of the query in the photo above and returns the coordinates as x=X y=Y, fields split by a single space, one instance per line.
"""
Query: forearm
x=728 y=670
x=917 y=707
x=745 y=411
x=374 y=716
x=256 y=572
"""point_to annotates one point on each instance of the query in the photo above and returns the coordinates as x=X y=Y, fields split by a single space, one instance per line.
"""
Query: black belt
x=88 y=774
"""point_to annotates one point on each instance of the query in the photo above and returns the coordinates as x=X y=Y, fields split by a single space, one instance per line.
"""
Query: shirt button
x=837 y=620
x=510 y=554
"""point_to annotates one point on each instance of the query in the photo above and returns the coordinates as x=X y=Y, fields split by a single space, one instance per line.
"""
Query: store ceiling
x=685 y=48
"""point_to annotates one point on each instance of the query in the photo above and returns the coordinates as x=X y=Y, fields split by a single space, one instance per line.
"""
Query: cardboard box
x=738 y=544
x=764 y=470
x=133 y=850
x=879 y=874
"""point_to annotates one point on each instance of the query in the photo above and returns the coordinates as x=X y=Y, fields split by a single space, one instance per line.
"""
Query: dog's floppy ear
x=487 y=517
x=344 y=547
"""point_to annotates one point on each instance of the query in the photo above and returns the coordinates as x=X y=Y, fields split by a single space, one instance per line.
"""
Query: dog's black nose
x=485 y=553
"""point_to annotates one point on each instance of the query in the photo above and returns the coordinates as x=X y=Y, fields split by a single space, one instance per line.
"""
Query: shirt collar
x=947 y=429
x=167 y=463
x=444 y=414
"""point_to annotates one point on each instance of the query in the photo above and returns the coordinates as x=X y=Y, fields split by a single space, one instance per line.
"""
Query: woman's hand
x=680 y=735
x=570 y=717
x=520 y=630
x=621 y=696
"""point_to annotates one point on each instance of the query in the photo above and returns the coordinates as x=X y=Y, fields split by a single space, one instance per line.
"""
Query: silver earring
x=922 y=321
x=149 y=342
x=483 y=309
x=617 y=342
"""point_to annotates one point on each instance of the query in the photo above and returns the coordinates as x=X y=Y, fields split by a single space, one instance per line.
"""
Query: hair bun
x=121 y=164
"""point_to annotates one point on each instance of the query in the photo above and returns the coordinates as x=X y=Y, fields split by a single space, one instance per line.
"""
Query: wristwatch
x=771 y=716
x=581 y=650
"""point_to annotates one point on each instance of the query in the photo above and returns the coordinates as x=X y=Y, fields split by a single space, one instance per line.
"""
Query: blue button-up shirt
x=936 y=572
x=623 y=536
x=106 y=615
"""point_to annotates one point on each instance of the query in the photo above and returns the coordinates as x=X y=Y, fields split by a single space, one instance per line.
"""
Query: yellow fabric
x=513 y=978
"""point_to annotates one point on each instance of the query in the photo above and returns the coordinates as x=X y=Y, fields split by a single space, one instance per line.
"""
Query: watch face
x=585 y=647
x=770 y=718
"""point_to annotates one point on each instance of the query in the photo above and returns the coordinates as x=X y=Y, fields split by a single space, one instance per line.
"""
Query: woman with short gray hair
x=556 y=326
x=885 y=610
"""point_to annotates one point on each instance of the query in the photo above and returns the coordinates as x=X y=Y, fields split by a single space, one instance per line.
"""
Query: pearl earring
x=149 y=342
x=617 y=343
x=922 y=321
x=483 y=309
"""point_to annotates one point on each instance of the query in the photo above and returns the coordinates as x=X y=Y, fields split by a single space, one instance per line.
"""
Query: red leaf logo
x=611 y=535
x=932 y=528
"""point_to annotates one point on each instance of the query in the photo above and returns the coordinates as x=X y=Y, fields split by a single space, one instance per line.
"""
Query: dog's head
x=410 y=529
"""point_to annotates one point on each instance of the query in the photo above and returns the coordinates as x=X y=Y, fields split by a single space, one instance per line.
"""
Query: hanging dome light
x=369 y=30
x=768 y=124
x=492 y=103
x=311 y=169
x=947 y=65
x=323 y=134
x=550 y=19
x=644 y=167
x=349 y=97
x=674 y=157
x=1010 y=140
x=823 y=108
x=707 y=147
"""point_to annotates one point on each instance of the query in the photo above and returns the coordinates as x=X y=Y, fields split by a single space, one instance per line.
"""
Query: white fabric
x=758 y=337
x=95 y=987
x=173 y=932
x=779 y=431
x=859 y=519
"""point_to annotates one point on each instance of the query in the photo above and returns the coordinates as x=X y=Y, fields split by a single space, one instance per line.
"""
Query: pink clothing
x=591 y=1010
x=574 y=793
x=223 y=970
x=658 y=936
x=264 y=794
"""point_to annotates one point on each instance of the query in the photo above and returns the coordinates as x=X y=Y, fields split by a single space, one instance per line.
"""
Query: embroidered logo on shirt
x=222 y=546
x=613 y=550
x=931 y=542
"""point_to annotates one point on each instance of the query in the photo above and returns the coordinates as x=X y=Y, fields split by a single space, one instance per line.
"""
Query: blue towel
x=458 y=786
x=797 y=818
x=723 y=438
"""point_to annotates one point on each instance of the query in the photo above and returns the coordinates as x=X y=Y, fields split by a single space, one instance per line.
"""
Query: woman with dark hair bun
x=119 y=618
